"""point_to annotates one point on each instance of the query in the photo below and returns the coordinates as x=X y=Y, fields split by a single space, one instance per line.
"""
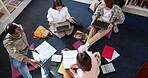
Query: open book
x=46 y=49
x=69 y=57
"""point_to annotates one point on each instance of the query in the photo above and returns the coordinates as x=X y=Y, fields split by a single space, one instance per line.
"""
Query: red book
x=108 y=52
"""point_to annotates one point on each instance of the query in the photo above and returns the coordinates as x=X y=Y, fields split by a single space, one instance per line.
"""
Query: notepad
x=69 y=58
x=108 y=52
x=46 y=49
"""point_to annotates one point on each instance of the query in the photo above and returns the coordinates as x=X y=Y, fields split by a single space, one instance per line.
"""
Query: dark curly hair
x=10 y=28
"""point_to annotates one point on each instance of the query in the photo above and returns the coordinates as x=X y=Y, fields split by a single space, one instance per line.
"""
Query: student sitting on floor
x=88 y=66
x=57 y=14
x=18 y=48
x=106 y=11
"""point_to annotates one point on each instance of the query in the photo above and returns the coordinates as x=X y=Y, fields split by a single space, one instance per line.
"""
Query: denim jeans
x=23 y=69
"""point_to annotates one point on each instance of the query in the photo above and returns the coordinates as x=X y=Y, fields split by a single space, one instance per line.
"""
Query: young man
x=109 y=12
x=88 y=66
x=20 y=53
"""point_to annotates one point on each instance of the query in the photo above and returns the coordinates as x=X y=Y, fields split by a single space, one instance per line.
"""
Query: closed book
x=107 y=68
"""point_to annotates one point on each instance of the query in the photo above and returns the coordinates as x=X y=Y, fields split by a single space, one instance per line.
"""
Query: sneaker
x=82 y=48
x=116 y=29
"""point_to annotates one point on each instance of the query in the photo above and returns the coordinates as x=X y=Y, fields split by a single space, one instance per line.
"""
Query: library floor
x=131 y=42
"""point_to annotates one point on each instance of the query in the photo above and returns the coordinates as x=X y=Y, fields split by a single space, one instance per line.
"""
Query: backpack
x=41 y=32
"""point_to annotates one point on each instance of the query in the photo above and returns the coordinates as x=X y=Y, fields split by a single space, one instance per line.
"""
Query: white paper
x=115 y=55
x=69 y=57
x=46 y=49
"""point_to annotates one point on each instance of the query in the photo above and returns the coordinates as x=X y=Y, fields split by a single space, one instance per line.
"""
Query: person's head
x=107 y=4
x=84 y=61
x=57 y=4
x=14 y=29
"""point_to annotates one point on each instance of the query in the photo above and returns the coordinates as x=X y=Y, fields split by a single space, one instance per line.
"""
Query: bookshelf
x=139 y=7
x=9 y=10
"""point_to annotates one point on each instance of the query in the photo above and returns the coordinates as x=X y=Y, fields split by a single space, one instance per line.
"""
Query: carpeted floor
x=130 y=42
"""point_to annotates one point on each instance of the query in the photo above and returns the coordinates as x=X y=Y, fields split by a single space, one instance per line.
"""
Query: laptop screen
x=62 y=28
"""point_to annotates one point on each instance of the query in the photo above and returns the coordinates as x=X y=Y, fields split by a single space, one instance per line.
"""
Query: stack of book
x=10 y=8
x=5 y=1
x=55 y=59
x=109 y=53
x=141 y=3
x=1 y=15
x=15 y=2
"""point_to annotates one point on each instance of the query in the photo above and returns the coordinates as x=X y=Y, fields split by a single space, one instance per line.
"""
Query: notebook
x=45 y=49
x=100 y=24
x=107 y=68
x=114 y=56
x=77 y=44
x=108 y=52
x=69 y=58
x=62 y=26
x=61 y=68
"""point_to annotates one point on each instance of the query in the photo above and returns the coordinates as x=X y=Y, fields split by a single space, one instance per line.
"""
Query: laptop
x=62 y=26
x=100 y=24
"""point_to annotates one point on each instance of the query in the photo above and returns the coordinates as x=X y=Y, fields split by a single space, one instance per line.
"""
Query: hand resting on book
x=101 y=24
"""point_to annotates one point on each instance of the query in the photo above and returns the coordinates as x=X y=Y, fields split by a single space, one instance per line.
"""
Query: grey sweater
x=17 y=47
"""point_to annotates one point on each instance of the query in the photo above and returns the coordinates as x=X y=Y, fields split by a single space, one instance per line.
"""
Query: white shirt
x=93 y=73
x=107 y=14
x=58 y=16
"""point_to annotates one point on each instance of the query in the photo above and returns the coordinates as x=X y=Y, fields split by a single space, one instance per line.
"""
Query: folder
x=77 y=44
x=61 y=68
x=108 y=52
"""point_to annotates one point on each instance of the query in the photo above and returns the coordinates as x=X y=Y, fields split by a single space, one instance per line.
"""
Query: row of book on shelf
x=12 y=4
x=141 y=3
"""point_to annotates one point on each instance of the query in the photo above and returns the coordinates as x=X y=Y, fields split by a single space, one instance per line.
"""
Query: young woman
x=59 y=13
x=88 y=66
x=109 y=12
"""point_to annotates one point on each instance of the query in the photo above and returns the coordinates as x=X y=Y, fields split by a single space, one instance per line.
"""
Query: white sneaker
x=116 y=29
x=82 y=48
